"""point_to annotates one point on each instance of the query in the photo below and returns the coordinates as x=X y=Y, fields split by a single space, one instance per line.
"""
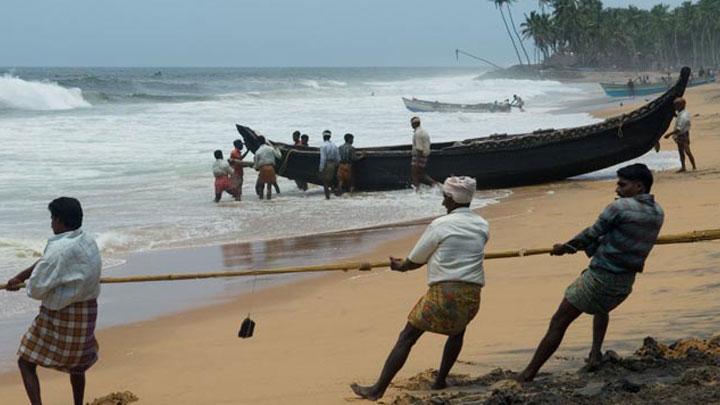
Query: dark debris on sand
x=687 y=371
x=116 y=398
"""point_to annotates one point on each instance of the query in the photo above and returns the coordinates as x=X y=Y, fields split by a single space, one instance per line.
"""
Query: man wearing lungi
x=681 y=134
x=453 y=247
x=345 y=168
x=67 y=281
x=223 y=177
x=264 y=163
x=237 y=164
x=419 y=155
x=329 y=159
x=618 y=243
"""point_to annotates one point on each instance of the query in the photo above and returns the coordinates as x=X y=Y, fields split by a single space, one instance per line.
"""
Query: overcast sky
x=256 y=32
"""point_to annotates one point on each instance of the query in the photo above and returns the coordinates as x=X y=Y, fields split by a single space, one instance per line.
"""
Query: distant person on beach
x=420 y=153
x=681 y=134
x=296 y=138
x=453 y=247
x=305 y=140
x=66 y=280
x=264 y=163
x=329 y=159
x=237 y=164
x=223 y=174
x=631 y=87
x=618 y=244
x=345 y=168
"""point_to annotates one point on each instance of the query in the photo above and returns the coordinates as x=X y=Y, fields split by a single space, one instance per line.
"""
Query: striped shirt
x=622 y=237
x=68 y=272
x=347 y=153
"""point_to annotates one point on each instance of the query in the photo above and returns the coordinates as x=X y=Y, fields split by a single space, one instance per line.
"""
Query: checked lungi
x=63 y=339
x=447 y=307
x=599 y=292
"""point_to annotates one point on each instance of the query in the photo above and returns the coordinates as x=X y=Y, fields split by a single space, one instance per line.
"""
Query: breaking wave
x=19 y=94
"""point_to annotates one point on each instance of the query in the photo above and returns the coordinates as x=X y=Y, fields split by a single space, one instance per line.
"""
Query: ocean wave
x=103 y=97
x=19 y=94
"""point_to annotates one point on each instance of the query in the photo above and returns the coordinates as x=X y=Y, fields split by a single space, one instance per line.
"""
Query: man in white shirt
x=223 y=177
x=67 y=281
x=681 y=134
x=264 y=163
x=453 y=247
x=419 y=155
x=329 y=159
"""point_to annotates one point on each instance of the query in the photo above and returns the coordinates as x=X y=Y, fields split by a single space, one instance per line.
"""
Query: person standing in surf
x=419 y=155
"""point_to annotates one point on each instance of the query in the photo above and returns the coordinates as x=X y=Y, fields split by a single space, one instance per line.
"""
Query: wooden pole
x=687 y=237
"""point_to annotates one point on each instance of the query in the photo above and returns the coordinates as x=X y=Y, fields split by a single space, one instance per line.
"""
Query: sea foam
x=16 y=93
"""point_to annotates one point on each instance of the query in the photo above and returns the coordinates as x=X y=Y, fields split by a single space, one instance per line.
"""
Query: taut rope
x=687 y=237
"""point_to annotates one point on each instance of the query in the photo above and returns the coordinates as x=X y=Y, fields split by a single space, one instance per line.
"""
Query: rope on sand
x=687 y=237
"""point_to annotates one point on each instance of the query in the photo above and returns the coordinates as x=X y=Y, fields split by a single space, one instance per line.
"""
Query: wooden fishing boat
x=644 y=89
x=417 y=105
x=501 y=160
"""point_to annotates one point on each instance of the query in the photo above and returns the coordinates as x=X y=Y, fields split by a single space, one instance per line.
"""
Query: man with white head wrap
x=453 y=247
x=419 y=155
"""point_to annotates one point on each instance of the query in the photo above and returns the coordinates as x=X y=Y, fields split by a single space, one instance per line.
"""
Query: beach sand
x=316 y=336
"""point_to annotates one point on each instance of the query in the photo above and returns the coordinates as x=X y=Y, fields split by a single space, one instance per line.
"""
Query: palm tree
x=498 y=5
x=514 y=27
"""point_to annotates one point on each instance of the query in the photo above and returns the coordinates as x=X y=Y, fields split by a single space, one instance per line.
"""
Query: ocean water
x=135 y=146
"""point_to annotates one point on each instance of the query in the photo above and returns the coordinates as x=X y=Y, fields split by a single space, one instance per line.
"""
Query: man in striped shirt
x=618 y=243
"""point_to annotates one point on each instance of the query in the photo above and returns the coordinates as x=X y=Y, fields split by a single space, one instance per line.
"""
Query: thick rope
x=687 y=237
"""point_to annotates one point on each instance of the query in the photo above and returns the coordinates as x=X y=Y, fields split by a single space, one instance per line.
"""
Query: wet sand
x=315 y=336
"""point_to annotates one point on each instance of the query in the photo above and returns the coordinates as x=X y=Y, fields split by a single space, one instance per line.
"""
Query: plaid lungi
x=599 y=292
x=62 y=339
x=266 y=174
x=447 y=307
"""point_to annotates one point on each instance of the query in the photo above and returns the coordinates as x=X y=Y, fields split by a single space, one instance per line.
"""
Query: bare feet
x=366 y=392
x=594 y=362
x=523 y=377
x=439 y=385
x=681 y=170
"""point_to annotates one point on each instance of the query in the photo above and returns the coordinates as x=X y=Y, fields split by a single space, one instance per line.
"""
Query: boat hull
x=622 y=90
x=417 y=105
x=500 y=161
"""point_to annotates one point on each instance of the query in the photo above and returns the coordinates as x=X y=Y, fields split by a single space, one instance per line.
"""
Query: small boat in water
x=631 y=89
x=500 y=160
x=417 y=105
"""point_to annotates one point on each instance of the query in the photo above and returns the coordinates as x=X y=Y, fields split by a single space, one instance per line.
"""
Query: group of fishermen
x=335 y=171
x=66 y=279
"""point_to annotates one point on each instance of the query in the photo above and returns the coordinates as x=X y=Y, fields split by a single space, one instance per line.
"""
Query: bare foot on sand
x=680 y=171
x=439 y=385
x=365 y=392
x=594 y=362
x=522 y=378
